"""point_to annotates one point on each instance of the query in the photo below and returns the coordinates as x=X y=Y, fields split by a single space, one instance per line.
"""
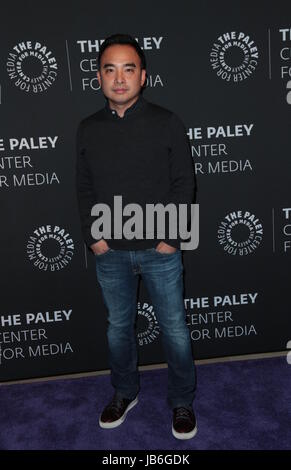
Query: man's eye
x=108 y=70
x=129 y=70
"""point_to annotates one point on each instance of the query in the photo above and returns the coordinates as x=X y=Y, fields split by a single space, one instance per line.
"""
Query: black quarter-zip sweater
x=144 y=156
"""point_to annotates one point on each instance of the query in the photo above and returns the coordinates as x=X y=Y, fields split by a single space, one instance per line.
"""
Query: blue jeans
x=118 y=274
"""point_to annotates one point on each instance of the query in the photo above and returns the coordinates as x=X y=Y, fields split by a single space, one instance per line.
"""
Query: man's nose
x=119 y=77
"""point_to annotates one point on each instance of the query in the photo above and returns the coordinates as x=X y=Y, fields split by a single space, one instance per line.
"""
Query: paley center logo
x=50 y=248
x=154 y=218
x=240 y=233
x=32 y=66
x=148 y=327
x=234 y=56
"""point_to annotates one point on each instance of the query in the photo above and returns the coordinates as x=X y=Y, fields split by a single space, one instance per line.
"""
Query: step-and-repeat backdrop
x=225 y=69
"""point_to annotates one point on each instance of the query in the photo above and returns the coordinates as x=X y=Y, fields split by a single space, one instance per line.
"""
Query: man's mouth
x=119 y=90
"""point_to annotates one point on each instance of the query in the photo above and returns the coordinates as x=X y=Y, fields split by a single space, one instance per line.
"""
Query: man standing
x=140 y=151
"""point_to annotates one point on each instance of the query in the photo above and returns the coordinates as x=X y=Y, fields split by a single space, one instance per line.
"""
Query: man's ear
x=143 y=77
x=99 y=77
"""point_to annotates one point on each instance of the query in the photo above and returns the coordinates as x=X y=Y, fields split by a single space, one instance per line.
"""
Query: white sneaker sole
x=184 y=435
x=119 y=421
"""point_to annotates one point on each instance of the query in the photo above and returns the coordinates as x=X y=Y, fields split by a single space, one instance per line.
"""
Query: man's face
x=120 y=75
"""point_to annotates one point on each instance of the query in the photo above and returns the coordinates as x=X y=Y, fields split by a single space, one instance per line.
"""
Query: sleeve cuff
x=172 y=242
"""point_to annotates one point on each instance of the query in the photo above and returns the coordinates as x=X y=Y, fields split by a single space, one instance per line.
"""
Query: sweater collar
x=136 y=106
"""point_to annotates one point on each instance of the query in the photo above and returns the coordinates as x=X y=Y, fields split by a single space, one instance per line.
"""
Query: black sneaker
x=115 y=412
x=184 y=423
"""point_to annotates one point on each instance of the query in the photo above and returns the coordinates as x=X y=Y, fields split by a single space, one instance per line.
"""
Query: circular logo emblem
x=234 y=57
x=240 y=233
x=147 y=327
x=32 y=67
x=50 y=248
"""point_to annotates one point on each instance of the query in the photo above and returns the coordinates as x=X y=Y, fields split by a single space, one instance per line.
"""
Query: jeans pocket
x=166 y=254
x=104 y=253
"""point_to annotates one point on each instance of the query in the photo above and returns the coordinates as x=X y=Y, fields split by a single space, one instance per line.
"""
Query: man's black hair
x=121 y=39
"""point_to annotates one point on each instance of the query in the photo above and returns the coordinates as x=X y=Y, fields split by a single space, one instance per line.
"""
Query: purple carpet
x=239 y=405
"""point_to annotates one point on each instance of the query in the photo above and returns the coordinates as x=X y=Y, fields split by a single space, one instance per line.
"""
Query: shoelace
x=116 y=403
x=183 y=413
